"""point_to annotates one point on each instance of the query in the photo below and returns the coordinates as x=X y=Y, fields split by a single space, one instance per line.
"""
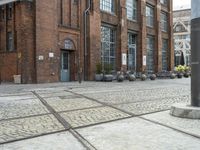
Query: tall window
x=108 y=45
x=9 y=11
x=164 y=21
x=10 y=41
x=150 y=54
x=131 y=6
x=107 y=5
x=164 y=54
x=2 y=13
x=164 y=2
x=150 y=15
x=132 y=51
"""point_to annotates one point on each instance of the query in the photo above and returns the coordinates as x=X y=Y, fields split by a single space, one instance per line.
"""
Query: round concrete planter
x=98 y=77
x=186 y=75
x=172 y=76
x=108 y=77
x=120 y=78
x=131 y=77
x=179 y=75
x=153 y=77
x=143 y=77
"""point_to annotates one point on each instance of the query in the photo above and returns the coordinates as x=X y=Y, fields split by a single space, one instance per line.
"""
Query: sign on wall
x=144 y=60
x=124 y=59
x=68 y=44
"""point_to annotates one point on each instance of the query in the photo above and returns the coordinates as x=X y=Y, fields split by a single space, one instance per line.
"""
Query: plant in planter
x=107 y=76
x=153 y=77
x=98 y=74
x=180 y=70
x=187 y=71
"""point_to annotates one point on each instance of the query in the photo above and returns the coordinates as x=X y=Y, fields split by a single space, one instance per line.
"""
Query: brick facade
x=43 y=31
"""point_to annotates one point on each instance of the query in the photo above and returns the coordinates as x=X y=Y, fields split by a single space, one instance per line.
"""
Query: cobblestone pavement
x=27 y=111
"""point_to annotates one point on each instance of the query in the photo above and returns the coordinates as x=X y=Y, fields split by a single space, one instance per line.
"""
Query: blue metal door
x=65 y=67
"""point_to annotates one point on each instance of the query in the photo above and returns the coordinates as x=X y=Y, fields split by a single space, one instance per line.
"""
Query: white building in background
x=181 y=27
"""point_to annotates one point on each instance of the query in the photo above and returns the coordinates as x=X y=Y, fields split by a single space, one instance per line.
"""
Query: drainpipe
x=85 y=38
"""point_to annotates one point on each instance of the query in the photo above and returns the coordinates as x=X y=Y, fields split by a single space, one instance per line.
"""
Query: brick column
x=25 y=26
x=158 y=50
x=123 y=35
x=171 y=39
x=143 y=34
x=94 y=38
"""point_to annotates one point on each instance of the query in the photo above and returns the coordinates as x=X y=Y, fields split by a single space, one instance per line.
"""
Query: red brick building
x=50 y=41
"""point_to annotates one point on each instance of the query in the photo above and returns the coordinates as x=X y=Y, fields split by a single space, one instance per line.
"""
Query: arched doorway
x=67 y=61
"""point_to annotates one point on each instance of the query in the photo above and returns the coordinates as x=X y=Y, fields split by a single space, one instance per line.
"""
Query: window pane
x=150 y=54
x=107 y=5
x=108 y=46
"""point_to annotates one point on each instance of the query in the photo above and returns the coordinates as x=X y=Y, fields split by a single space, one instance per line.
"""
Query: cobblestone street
x=96 y=115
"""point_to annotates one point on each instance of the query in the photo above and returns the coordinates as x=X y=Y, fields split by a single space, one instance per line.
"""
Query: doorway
x=65 y=67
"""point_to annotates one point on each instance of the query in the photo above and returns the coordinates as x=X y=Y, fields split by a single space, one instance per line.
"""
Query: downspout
x=85 y=38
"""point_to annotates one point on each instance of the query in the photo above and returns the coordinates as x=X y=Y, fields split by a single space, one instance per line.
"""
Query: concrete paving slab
x=92 y=116
x=59 y=141
x=137 y=134
x=190 y=126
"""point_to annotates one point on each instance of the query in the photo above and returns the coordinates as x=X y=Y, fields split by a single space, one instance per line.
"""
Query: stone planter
x=143 y=77
x=179 y=75
x=98 y=77
x=17 y=79
x=186 y=75
x=108 y=77
x=172 y=76
x=153 y=77
x=120 y=78
x=131 y=77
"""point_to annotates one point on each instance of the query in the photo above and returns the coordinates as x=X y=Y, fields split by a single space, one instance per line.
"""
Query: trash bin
x=17 y=79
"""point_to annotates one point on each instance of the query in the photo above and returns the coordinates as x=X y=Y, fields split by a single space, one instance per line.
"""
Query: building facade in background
x=54 y=41
x=181 y=27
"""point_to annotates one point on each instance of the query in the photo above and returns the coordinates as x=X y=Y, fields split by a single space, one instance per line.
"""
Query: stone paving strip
x=21 y=108
x=92 y=116
x=59 y=104
x=126 y=96
x=55 y=94
x=137 y=134
x=140 y=108
x=190 y=126
x=58 y=141
x=28 y=127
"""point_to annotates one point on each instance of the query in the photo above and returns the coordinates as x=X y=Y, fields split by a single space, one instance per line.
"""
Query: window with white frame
x=132 y=52
x=107 y=5
x=108 y=47
x=131 y=6
x=164 y=54
x=164 y=21
x=150 y=54
x=149 y=15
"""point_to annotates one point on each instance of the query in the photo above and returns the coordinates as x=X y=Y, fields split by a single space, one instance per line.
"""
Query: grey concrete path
x=96 y=115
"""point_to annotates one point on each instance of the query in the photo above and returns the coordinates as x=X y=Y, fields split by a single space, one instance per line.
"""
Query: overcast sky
x=181 y=4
